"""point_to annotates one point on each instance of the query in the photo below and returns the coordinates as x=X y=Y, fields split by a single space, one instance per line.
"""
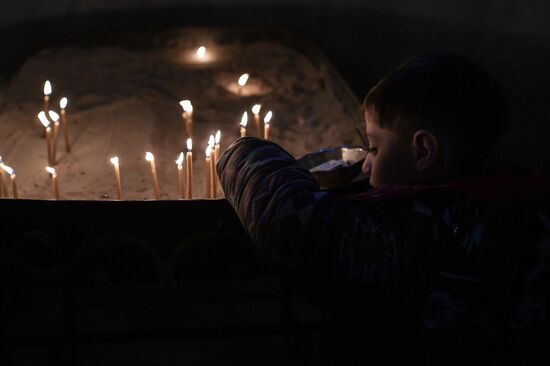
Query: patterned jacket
x=463 y=261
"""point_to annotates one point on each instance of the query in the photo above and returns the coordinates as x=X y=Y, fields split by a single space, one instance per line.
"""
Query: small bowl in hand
x=334 y=167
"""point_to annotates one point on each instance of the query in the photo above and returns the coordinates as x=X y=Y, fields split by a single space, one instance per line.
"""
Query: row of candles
x=213 y=147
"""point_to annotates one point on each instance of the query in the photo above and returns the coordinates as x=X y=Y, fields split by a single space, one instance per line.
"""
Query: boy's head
x=436 y=116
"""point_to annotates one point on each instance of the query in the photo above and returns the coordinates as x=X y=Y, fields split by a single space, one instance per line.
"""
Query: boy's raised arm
x=319 y=235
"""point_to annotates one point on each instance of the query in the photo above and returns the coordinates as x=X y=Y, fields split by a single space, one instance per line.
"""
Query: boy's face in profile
x=390 y=159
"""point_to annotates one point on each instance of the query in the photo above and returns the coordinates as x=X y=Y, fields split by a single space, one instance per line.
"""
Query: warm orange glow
x=243 y=79
x=256 y=108
x=43 y=119
x=180 y=159
x=54 y=116
x=47 y=88
x=244 y=119
x=267 y=117
x=7 y=169
x=201 y=51
x=186 y=105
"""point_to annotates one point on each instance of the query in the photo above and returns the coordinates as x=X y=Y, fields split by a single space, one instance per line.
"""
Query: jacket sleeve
x=318 y=235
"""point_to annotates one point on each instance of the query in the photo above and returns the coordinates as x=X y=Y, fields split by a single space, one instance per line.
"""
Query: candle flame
x=218 y=137
x=47 y=88
x=211 y=141
x=7 y=169
x=267 y=117
x=186 y=105
x=43 y=119
x=50 y=170
x=63 y=103
x=208 y=151
x=180 y=159
x=54 y=116
x=114 y=160
x=201 y=51
x=243 y=79
x=244 y=119
x=149 y=156
x=189 y=144
x=256 y=108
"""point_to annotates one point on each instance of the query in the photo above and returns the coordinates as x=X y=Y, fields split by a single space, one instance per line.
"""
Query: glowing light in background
x=201 y=52
x=47 y=88
x=243 y=79
x=244 y=119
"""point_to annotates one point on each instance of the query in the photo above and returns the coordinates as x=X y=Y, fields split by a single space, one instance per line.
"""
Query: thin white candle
x=267 y=120
x=187 y=116
x=151 y=158
x=44 y=120
x=256 y=110
x=11 y=172
x=55 y=118
x=179 y=162
x=189 y=163
x=4 y=184
x=244 y=121
x=209 y=180
x=216 y=159
x=47 y=92
x=217 y=146
x=62 y=105
x=55 y=185
x=115 y=162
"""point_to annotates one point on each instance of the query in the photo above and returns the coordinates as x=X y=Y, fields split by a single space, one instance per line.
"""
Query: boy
x=439 y=261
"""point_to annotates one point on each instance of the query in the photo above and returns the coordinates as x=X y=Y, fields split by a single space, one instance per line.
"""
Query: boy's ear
x=426 y=149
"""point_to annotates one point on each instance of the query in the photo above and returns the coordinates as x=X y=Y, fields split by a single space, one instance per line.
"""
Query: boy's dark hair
x=450 y=96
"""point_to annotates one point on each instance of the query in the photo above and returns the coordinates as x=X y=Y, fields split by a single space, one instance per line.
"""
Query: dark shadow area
x=104 y=280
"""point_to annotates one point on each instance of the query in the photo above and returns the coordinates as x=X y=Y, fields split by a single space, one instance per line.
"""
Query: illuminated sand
x=123 y=100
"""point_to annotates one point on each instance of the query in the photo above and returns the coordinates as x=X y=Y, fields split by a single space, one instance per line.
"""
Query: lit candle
x=11 y=172
x=209 y=185
x=189 y=164
x=4 y=184
x=256 y=110
x=244 y=121
x=55 y=118
x=217 y=146
x=267 y=120
x=114 y=161
x=201 y=52
x=187 y=117
x=242 y=82
x=55 y=186
x=151 y=158
x=63 y=105
x=44 y=120
x=180 y=175
x=213 y=178
x=47 y=92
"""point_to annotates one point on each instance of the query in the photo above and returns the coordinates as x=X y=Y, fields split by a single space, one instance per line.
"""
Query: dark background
x=363 y=39
x=103 y=288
